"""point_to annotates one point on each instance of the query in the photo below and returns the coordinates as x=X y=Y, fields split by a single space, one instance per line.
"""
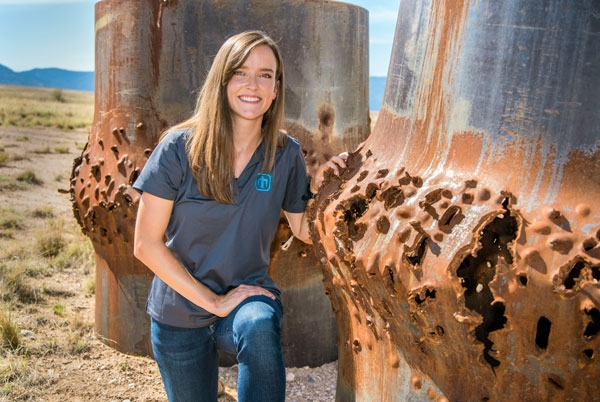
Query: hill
x=48 y=78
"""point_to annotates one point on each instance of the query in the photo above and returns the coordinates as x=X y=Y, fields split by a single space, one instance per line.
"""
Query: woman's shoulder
x=178 y=135
x=287 y=142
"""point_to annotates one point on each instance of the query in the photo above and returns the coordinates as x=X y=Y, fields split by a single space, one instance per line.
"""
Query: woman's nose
x=252 y=80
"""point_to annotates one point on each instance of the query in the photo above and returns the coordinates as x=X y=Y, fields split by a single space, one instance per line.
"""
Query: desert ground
x=49 y=350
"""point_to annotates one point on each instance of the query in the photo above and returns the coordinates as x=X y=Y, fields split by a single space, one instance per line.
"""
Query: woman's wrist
x=310 y=194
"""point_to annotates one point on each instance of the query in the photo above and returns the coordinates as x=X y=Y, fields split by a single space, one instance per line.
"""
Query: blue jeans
x=189 y=365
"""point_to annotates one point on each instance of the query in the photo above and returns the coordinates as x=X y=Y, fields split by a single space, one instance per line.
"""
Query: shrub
x=9 y=331
x=57 y=94
x=10 y=222
x=51 y=242
x=59 y=309
x=44 y=213
x=45 y=150
x=62 y=150
x=30 y=177
x=13 y=285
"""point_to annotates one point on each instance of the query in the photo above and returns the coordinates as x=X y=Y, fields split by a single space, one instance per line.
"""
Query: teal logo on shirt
x=263 y=182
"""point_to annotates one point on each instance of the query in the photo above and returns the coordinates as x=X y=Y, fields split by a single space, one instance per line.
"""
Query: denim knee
x=256 y=326
x=256 y=330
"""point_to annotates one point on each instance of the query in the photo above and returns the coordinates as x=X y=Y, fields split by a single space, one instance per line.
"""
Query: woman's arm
x=299 y=221
x=149 y=247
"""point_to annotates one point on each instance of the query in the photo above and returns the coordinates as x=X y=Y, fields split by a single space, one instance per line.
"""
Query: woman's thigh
x=187 y=360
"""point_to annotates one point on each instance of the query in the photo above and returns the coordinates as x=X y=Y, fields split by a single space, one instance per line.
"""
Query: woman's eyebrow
x=245 y=67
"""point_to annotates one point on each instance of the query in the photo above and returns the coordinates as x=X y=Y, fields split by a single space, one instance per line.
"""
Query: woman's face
x=253 y=86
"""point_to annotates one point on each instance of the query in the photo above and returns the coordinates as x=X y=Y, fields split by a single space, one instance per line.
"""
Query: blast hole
x=452 y=217
x=326 y=116
x=476 y=272
x=382 y=173
x=556 y=382
x=133 y=176
x=371 y=190
x=523 y=280
x=391 y=274
x=356 y=210
x=352 y=211
x=429 y=294
x=593 y=327
x=415 y=257
x=589 y=244
x=543 y=333
x=392 y=197
x=574 y=274
x=589 y=353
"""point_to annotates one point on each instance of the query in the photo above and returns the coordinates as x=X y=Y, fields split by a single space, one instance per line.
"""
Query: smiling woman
x=216 y=185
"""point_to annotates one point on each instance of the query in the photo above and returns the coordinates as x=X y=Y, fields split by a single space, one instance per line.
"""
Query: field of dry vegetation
x=49 y=350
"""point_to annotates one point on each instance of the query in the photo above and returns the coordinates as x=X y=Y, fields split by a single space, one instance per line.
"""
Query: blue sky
x=60 y=33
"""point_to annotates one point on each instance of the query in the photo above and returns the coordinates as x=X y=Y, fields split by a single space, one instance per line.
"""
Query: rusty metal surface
x=151 y=58
x=462 y=245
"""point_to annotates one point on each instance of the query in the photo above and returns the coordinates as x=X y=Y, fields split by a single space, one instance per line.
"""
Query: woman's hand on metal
x=336 y=163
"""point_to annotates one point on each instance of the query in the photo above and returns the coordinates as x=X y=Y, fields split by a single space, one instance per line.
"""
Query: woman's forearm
x=160 y=260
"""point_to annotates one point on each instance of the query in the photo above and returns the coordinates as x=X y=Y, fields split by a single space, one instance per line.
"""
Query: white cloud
x=379 y=16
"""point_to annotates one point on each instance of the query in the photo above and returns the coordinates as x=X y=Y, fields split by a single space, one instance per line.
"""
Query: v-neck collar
x=257 y=157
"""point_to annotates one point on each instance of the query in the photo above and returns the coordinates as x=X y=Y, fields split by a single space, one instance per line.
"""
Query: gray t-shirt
x=221 y=245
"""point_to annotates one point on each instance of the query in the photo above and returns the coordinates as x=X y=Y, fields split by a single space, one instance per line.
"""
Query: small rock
x=27 y=333
x=290 y=377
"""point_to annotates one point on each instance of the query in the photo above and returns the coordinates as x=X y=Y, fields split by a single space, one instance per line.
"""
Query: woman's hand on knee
x=226 y=303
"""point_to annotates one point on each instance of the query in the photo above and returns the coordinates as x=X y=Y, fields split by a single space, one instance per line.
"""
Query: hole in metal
x=543 y=333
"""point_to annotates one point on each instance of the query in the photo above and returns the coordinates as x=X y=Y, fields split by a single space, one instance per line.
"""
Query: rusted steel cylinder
x=151 y=59
x=462 y=244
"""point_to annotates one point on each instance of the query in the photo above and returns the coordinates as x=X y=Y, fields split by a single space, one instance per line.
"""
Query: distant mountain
x=48 y=78
x=84 y=81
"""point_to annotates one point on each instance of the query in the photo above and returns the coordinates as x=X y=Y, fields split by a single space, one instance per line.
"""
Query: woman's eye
x=239 y=73
x=266 y=75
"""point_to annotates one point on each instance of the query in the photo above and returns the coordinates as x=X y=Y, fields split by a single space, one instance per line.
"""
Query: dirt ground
x=61 y=358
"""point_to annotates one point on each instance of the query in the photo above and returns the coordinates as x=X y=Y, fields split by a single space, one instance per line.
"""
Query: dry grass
x=44 y=107
x=38 y=243
x=34 y=252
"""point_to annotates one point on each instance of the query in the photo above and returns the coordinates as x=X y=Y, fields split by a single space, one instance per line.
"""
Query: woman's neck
x=246 y=137
x=245 y=143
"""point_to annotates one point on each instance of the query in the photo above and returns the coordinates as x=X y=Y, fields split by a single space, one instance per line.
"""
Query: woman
x=215 y=186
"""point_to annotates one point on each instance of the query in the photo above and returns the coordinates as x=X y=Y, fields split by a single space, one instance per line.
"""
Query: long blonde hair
x=210 y=145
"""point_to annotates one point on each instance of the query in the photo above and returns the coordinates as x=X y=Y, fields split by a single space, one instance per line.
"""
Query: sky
x=60 y=33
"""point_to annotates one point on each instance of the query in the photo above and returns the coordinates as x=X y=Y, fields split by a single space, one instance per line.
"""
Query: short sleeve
x=297 y=184
x=164 y=171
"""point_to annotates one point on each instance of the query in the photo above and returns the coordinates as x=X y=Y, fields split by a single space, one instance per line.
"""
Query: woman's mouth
x=248 y=98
